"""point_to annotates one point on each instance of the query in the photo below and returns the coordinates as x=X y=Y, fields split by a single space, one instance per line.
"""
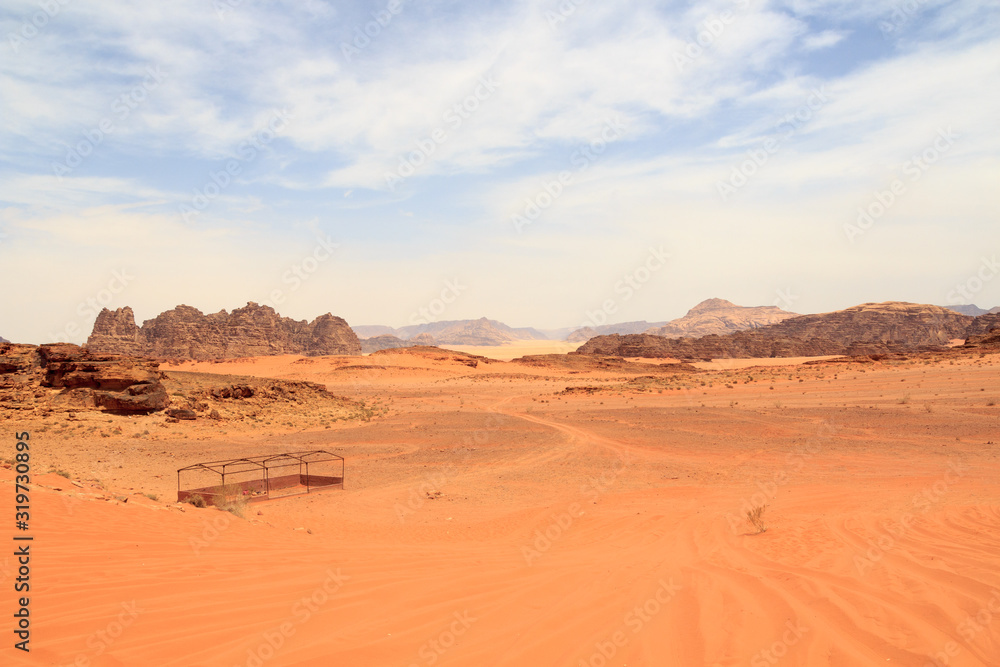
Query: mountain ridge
x=185 y=332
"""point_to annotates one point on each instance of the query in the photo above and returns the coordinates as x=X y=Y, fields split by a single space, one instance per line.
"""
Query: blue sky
x=535 y=156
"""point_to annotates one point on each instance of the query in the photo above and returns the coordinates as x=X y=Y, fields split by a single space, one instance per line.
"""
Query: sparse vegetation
x=755 y=517
x=235 y=500
x=197 y=501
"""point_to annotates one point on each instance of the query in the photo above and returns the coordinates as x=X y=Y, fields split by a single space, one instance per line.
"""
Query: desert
x=553 y=510
x=545 y=333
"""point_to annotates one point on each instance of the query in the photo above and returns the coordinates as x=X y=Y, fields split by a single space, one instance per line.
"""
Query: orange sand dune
x=489 y=519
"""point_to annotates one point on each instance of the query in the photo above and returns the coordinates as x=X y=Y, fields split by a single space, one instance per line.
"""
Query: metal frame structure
x=260 y=487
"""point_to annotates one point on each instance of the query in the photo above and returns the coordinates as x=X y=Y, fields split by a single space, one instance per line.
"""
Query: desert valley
x=628 y=499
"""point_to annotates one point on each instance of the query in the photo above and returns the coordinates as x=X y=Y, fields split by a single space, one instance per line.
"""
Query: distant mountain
x=3 y=340
x=969 y=309
x=720 y=317
x=864 y=329
x=372 y=330
x=454 y=332
x=557 y=334
x=187 y=333
x=586 y=333
x=384 y=342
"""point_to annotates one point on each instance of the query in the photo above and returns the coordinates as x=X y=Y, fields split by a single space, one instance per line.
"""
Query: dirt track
x=490 y=519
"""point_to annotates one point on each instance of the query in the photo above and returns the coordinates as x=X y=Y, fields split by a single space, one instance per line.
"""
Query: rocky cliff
x=865 y=329
x=720 y=317
x=86 y=379
x=187 y=333
x=983 y=324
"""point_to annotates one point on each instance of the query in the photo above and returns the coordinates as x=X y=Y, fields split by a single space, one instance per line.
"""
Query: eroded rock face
x=720 y=317
x=983 y=324
x=187 y=333
x=869 y=328
x=87 y=380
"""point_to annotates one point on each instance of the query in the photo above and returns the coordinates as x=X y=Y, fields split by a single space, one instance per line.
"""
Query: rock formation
x=720 y=317
x=989 y=340
x=187 y=333
x=87 y=380
x=866 y=329
x=384 y=342
x=586 y=333
x=983 y=324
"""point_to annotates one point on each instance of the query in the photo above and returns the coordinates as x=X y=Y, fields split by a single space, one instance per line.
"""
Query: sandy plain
x=524 y=514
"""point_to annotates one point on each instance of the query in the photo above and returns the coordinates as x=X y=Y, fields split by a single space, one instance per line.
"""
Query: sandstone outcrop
x=384 y=342
x=870 y=328
x=87 y=380
x=983 y=324
x=720 y=317
x=187 y=333
x=990 y=341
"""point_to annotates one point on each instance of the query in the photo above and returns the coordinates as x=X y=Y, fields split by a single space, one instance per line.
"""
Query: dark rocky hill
x=865 y=329
x=187 y=333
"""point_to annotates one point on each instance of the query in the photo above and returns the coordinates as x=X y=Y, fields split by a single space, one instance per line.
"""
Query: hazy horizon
x=532 y=162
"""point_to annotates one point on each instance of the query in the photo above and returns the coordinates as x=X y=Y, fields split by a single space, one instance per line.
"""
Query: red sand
x=488 y=520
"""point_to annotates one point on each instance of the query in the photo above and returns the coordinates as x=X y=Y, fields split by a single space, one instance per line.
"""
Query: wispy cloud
x=417 y=149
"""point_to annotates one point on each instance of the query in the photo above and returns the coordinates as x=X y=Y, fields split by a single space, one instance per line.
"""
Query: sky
x=553 y=163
